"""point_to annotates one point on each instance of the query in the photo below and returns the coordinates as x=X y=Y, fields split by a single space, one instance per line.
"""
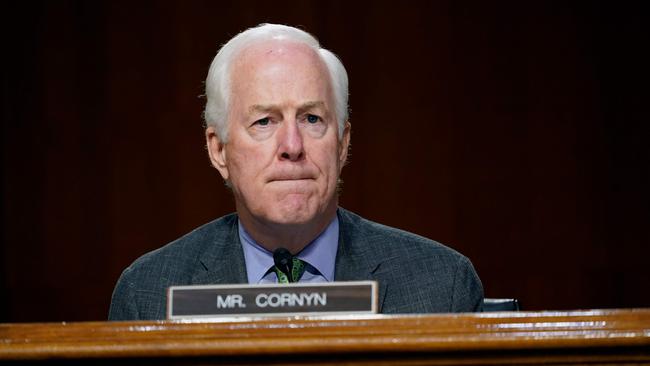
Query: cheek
x=245 y=169
x=243 y=164
x=249 y=163
x=329 y=161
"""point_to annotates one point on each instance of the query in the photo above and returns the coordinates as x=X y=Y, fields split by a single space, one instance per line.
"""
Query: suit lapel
x=223 y=262
x=355 y=260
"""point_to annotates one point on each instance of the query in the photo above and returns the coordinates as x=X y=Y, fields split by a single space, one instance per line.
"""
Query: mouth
x=290 y=179
x=294 y=175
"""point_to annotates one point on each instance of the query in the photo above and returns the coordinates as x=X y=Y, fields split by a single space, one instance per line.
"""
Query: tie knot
x=294 y=268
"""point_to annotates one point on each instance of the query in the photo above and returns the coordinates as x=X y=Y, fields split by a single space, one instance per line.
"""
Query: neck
x=293 y=237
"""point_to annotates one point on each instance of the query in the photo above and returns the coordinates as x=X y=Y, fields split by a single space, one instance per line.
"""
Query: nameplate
x=212 y=301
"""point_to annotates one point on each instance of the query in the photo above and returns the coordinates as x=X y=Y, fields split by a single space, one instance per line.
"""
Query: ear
x=216 y=151
x=344 y=145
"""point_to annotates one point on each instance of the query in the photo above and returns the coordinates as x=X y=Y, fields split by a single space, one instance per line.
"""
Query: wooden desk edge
x=440 y=333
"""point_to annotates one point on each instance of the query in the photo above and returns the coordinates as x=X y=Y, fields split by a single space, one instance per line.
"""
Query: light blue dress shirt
x=319 y=257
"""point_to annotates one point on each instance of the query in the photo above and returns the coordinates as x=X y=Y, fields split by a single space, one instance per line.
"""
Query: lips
x=289 y=179
x=291 y=176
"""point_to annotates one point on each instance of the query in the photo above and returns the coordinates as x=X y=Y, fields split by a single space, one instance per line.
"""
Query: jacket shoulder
x=421 y=275
x=389 y=240
x=178 y=258
x=141 y=288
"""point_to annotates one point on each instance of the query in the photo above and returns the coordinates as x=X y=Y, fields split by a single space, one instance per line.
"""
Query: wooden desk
x=576 y=337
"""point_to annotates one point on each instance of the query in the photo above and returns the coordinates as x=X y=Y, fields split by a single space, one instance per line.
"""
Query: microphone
x=284 y=261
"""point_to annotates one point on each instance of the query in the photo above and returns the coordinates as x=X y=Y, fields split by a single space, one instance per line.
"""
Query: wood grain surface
x=591 y=336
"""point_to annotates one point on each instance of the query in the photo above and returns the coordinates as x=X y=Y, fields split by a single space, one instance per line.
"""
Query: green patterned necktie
x=297 y=269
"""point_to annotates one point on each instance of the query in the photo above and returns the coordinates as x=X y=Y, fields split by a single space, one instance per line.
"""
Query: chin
x=292 y=215
x=293 y=209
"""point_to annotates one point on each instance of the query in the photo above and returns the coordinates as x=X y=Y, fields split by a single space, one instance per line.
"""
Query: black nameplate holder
x=215 y=301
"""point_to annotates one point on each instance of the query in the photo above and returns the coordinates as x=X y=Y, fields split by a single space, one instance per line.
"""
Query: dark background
x=513 y=131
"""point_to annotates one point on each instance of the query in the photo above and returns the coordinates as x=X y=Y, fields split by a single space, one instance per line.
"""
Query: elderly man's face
x=283 y=156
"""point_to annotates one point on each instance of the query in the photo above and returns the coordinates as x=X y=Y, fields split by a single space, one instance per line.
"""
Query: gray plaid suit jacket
x=415 y=274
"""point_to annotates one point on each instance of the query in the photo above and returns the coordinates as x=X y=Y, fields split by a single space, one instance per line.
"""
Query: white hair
x=217 y=84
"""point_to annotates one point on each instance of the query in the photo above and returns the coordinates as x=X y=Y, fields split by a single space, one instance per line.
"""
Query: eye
x=263 y=121
x=312 y=118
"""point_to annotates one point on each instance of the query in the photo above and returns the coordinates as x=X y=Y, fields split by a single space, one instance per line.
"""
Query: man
x=277 y=132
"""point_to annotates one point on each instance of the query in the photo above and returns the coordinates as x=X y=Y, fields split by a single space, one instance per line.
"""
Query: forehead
x=262 y=52
x=280 y=60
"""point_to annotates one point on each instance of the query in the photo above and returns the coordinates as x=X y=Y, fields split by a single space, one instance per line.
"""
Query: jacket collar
x=355 y=259
x=223 y=261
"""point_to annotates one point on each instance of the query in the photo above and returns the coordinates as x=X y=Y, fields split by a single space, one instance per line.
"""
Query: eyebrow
x=270 y=107
x=311 y=105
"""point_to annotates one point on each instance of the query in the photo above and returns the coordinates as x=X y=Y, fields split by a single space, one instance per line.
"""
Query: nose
x=291 y=146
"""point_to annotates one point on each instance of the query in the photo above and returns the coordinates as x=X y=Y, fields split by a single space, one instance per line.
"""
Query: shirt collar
x=320 y=253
